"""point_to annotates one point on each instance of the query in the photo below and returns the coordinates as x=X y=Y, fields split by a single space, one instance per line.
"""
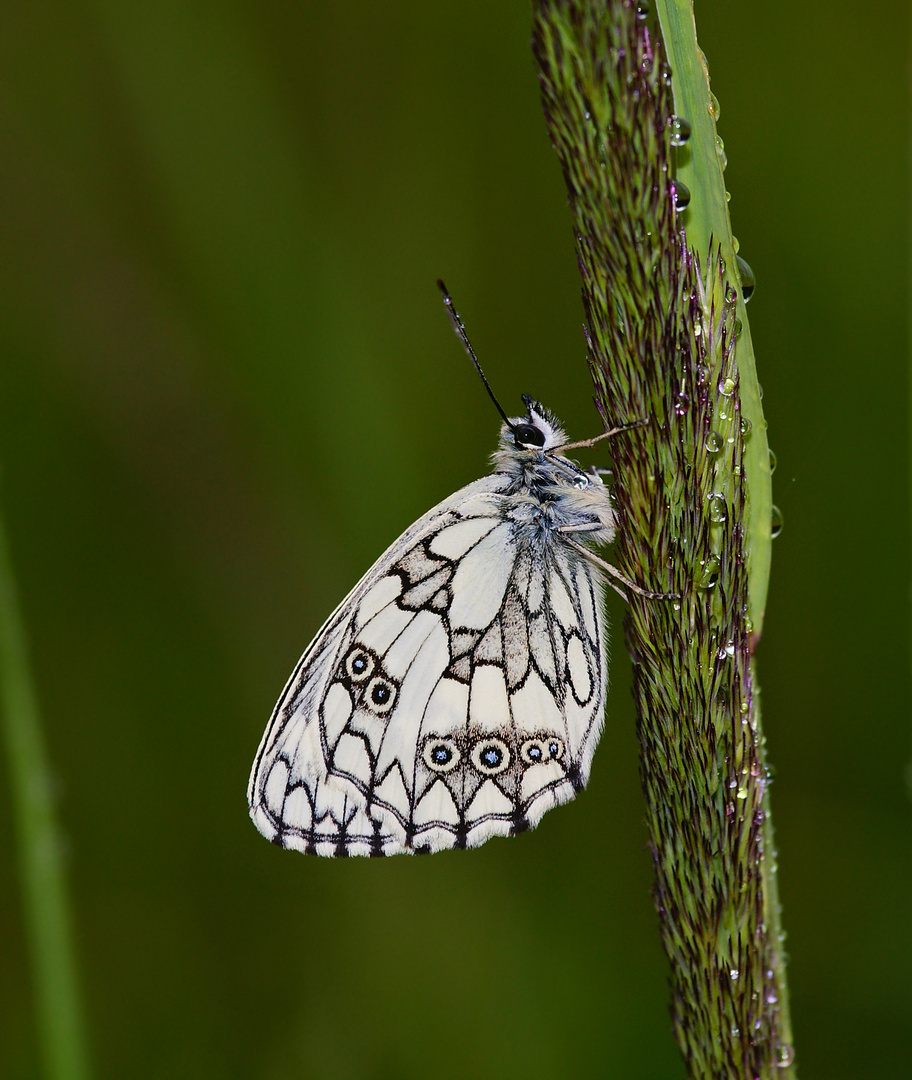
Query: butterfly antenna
x=467 y=345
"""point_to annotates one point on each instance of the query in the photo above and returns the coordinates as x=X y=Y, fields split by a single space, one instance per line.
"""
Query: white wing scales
x=456 y=693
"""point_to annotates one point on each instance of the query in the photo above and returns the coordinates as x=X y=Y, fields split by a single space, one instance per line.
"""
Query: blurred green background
x=227 y=383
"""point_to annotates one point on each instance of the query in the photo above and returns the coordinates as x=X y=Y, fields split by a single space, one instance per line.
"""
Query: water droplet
x=772 y=462
x=735 y=973
x=710 y=574
x=680 y=130
x=742 y=793
x=681 y=194
x=745 y=427
x=698 y=329
x=682 y=403
x=714 y=442
x=718 y=511
x=727 y=387
x=736 y=1031
x=702 y=373
x=736 y=244
x=776 y=522
x=738 y=327
x=786 y=1054
x=715 y=108
x=747 y=278
x=666 y=74
x=644 y=10
x=771 y=997
x=748 y=629
x=720 y=150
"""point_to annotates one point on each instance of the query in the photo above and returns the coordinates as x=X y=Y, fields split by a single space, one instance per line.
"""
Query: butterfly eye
x=380 y=696
x=491 y=756
x=528 y=435
x=359 y=664
x=441 y=755
x=534 y=751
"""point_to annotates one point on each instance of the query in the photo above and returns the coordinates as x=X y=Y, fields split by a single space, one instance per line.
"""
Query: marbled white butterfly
x=457 y=692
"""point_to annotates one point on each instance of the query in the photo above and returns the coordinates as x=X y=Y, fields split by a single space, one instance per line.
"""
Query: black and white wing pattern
x=456 y=693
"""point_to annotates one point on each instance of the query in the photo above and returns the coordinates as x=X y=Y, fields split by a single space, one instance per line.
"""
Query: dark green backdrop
x=227 y=383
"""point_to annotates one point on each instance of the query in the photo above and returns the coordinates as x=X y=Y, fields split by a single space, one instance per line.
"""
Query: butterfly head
x=537 y=431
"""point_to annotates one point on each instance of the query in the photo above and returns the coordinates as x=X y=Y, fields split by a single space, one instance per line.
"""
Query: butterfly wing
x=454 y=695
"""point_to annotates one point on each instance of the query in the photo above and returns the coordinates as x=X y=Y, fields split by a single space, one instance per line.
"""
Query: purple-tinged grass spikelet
x=662 y=335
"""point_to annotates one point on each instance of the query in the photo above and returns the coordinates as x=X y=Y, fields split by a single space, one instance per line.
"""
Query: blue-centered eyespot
x=441 y=755
x=534 y=751
x=491 y=756
x=380 y=695
x=359 y=664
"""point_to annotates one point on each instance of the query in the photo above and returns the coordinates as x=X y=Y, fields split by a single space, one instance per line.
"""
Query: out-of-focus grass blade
x=44 y=894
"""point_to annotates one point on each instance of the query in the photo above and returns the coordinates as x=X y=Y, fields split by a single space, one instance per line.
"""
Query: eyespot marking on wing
x=491 y=756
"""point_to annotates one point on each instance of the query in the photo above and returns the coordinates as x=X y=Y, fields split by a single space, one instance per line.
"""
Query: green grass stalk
x=41 y=871
x=668 y=341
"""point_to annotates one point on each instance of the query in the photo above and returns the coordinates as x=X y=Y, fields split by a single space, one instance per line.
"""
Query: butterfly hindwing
x=454 y=695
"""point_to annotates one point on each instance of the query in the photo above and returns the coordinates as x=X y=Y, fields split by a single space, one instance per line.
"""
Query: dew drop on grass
x=747 y=278
x=710 y=574
x=772 y=462
x=681 y=194
x=680 y=130
x=714 y=442
x=718 y=512
x=776 y=522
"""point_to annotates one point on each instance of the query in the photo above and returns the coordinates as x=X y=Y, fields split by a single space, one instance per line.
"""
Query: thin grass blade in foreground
x=44 y=894
x=663 y=327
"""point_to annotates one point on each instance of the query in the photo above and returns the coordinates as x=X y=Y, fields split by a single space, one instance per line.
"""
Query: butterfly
x=457 y=692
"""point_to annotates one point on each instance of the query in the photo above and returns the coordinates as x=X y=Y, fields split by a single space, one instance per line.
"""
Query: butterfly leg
x=615 y=573
x=596 y=474
x=604 y=435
